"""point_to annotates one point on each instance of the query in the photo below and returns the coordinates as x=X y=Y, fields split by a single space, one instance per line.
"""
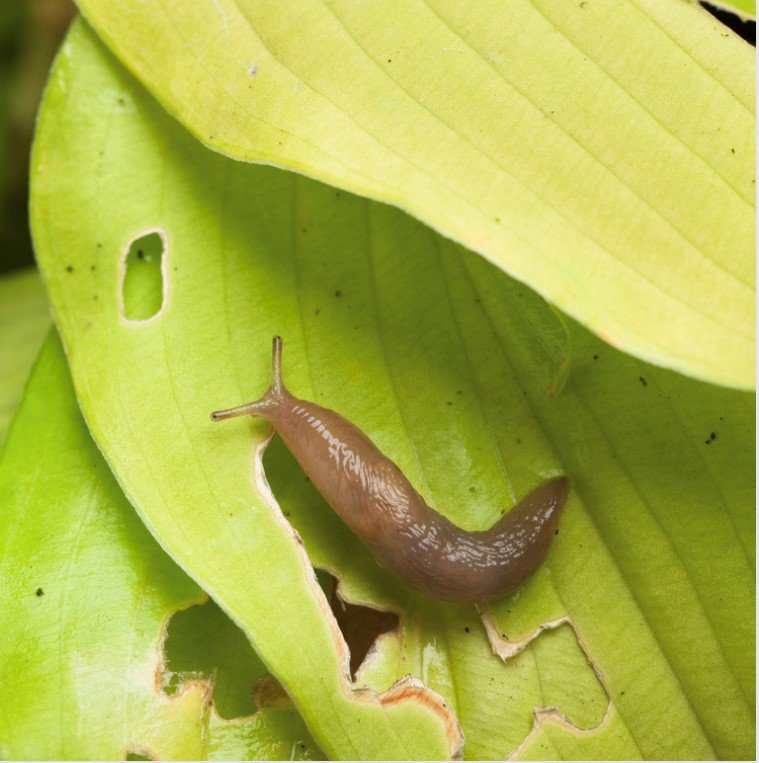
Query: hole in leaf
x=202 y=642
x=142 y=287
x=361 y=626
x=312 y=517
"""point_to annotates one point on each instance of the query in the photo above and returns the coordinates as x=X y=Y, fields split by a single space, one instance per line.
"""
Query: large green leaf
x=24 y=321
x=447 y=363
x=86 y=594
x=601 y=151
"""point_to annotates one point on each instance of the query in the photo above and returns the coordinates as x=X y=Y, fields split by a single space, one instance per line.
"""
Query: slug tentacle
x=407 y=537
x=267 y=405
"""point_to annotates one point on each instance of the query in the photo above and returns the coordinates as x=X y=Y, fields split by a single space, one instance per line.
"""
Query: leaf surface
x=86 y=594
x=448 y=364
x=539 y=133
x=24 y=321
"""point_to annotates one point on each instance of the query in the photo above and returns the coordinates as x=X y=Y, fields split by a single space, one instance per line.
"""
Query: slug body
x=407 y=537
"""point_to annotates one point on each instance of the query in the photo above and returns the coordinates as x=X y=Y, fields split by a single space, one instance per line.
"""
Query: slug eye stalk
x=264 y=406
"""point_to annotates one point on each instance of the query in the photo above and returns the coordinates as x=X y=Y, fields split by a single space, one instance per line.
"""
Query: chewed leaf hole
x=143 y=287
x=138 y=756
x=361 y=626
x=203 y=643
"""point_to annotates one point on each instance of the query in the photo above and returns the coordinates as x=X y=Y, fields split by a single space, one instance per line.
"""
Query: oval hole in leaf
x=143 y=288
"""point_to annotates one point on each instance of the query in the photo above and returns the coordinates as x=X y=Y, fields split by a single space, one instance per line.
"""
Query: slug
x=407 y=537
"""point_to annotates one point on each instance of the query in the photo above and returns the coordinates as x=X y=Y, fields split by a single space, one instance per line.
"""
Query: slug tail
x=267 y=405
x=543 y=506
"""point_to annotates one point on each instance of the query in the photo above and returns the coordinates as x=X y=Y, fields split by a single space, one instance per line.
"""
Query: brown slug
x=408 y=538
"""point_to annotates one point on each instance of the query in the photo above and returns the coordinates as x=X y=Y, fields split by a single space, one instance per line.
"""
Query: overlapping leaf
x=447 y=363
x=85 y=594
x=744 y=9
x=24 y=320
x=601 y=151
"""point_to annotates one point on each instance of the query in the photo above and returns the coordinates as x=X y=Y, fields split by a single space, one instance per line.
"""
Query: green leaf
x=86 y=594
x=744 y=9
x=24 y=321
x=539 y=133
x=446 y=363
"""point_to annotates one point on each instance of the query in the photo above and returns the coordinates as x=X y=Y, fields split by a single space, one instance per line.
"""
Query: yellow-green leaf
x=446 y=363
x=24 y=321
x=601 y=151
x=85 y=594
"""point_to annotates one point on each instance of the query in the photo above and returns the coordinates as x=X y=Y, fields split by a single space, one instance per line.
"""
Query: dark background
x=30 y=32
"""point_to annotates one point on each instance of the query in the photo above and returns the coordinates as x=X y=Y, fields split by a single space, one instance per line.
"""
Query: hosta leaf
x=85 y=594
x=223 y=540
x=540 y=133
x=450 y=366
x=24 y=320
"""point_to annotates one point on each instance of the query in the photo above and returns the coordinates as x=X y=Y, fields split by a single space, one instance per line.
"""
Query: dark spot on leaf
x=519 y=441
x=93 y=267
x=595 y=357
x=448 y=402
x=466 y=629
x=316 y=312
x=643 y=381
x=338 y=294
x=69 y=268
x=39 y=592
x=472 y=489
x=121 y=101
x=732 y=150
x=557 y=531
x=140 y=254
